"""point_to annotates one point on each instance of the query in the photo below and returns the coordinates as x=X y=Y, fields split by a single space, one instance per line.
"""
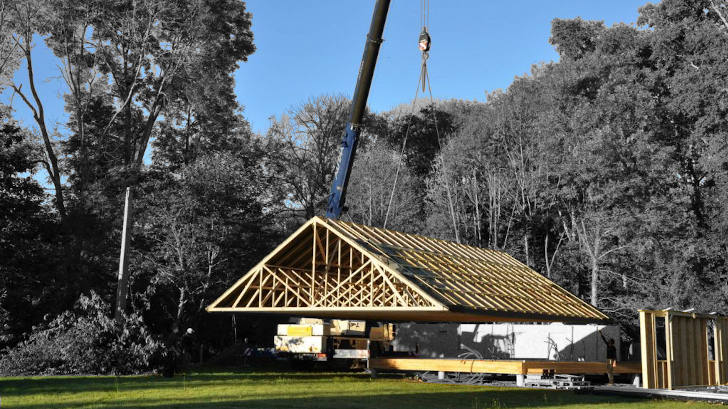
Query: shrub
x=85 y=340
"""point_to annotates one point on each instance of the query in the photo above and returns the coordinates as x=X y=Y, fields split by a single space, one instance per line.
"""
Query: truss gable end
x=318 y=268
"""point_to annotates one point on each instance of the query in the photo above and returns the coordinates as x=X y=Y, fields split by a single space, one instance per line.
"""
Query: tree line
x=605 y=171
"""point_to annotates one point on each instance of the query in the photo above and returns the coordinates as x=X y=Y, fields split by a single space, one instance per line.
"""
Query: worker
x=611 y=356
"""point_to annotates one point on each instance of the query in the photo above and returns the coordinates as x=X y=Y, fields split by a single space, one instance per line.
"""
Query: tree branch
x=717 y=11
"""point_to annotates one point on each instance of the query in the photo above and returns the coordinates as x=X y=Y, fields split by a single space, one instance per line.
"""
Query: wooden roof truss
x=330 y=268
x=320 y=271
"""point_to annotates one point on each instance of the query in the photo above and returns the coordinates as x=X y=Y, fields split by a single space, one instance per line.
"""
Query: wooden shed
x=331 y=268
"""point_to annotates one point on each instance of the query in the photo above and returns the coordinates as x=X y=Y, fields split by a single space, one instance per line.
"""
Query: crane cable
x=404 y=144
x=425 y=13
x=425 y=78
x=423 y=43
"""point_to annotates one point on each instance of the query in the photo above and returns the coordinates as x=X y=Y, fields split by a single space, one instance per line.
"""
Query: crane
x=337 y=197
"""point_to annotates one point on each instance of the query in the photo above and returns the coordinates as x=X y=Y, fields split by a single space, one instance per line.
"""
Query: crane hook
x=424 y=40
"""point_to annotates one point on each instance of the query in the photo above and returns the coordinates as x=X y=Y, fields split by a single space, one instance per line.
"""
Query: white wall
x=554 y=341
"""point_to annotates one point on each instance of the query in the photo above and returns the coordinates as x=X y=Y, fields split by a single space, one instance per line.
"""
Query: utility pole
x=122 y=288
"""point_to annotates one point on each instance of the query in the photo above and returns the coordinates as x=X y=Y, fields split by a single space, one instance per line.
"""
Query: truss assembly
x=330 y=268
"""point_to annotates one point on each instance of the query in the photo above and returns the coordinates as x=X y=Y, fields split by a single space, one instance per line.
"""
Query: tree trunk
x=478 y=234
x=593 y=248
x=594 y=282
x=550 y=261
x=181 y=305
x=450 y=203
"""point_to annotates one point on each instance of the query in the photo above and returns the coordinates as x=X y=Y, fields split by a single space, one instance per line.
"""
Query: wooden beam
x=338 y=265
x=511 y=367
x=245 y=289
x=669 y=378
x=580 y=367
x=448 y=365
x=701 y=353
x=721 y=350
x=312 y=300
x=648 y=346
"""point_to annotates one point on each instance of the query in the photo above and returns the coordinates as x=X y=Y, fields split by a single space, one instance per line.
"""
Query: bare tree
x=24 y=17
x=371 y=188
x=595 y=233
x=308 y=139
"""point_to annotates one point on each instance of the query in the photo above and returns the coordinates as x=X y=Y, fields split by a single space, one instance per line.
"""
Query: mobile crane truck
x=316 y=339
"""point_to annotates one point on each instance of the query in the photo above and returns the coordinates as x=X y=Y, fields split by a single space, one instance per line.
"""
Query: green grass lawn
x=207 y=390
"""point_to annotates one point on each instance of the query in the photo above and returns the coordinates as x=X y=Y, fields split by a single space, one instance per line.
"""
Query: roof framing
x=330 y=268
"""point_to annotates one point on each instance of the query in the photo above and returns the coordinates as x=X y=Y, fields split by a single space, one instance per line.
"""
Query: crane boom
x=337 y=197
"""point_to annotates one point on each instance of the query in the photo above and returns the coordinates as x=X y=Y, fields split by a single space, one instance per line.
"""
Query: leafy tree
x=201 y=228
x=575 y=38
x=21 y=195
x=420 y=137
x=25 y=262
x=689 y=63
x=608 y=157
x=156 y=55
x=496 y=168
x=600 y=183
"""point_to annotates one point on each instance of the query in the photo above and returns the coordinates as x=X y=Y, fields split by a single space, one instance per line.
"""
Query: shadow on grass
x=81 y=384
x=471 y=398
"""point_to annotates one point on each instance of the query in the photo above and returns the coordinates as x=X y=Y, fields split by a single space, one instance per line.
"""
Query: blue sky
x=307 y=48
